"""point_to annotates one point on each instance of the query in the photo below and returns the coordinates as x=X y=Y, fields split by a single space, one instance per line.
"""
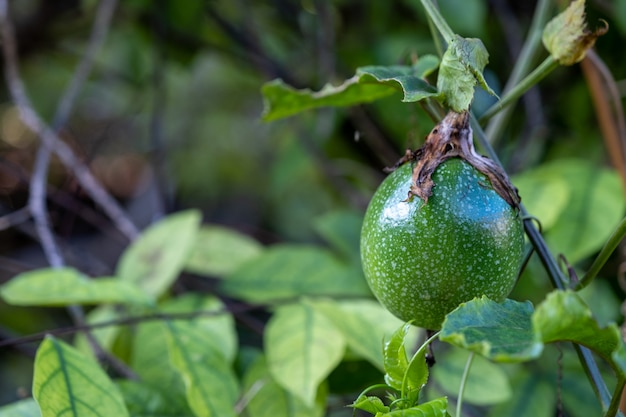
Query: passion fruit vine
x=457 y=236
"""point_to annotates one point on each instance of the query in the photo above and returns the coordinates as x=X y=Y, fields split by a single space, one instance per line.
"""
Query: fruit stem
x=452 y=138
x=464 y=378
x=603 y=256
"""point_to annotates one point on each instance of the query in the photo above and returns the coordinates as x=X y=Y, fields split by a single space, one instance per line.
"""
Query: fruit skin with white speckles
x=423 y=260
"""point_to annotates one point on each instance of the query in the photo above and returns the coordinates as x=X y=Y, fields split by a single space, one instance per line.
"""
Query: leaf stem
x=441 y=24
x=615 y=400
x=464 y=378
x=545 y=68
x=604 y=255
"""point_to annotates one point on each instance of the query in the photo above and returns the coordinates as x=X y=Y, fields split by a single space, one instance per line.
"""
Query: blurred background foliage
x=171 y=119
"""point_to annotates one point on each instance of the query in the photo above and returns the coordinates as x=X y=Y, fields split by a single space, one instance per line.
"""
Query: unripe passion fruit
x=422 y=259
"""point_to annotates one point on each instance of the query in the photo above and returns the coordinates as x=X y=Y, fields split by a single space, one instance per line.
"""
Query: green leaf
x=218 y=251
x=370 y=404
x=498 y=331
x=394 y=358
x=302 y=348
x=567 y=37
x=487 y=383
x=434 y=408
x=365 y=324
x=596 y=206
x=22 y=408
x=369 y=84
x=155 y=259
x=563 y=315
x=416 y=374
x=64 y=286
x=210 y=382
x=288 y=271
x=68 y=383
x=534 y=396
x=146 y=401
x=544 y=196
x=216 y=323
x=461 y=69
x=269 y=399
x=150 y=361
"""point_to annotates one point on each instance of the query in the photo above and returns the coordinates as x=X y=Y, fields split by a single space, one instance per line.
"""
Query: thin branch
x=234 y=309
x=17 y=217
x=51 y=142
x=49 y=137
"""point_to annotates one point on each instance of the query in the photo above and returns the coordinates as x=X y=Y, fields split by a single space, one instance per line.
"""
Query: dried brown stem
x=452 y=138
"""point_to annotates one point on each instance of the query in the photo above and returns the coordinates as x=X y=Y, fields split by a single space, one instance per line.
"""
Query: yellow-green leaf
x=155 y=259
x=69 y=384
x=302 y=347
x=64 y=286
x=218 y=251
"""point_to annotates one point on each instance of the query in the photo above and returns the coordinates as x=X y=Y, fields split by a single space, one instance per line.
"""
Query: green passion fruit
x=422 y=257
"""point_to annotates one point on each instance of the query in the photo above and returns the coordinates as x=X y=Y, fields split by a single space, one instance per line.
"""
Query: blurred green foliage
x=171 y=119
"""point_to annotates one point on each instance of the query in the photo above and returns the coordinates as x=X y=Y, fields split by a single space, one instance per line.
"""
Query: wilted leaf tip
x=567 y=36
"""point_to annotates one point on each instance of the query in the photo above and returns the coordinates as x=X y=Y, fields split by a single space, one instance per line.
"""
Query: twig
x=49 y=137
x=51 y=142
x=19 y=216
x=235 y=309
x=609 y=110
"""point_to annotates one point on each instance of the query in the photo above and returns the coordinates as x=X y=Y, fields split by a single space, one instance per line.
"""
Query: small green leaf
x=461 y=69
x=209 y=380
x=416 y=374
x=68 y=383
x=218 y=251
x=269 y=399
x=498 y=331
x=434 y=408
x=155 y=259
x=302 y=348
x=22 y=408
x=288 y=271
x=64 y=286
x=394 y=358
x=150 y=361
x=364 y=323
x=369 y=84
x=487 y=383
x=563 y=315
x=370 y=404
x=567 y=37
